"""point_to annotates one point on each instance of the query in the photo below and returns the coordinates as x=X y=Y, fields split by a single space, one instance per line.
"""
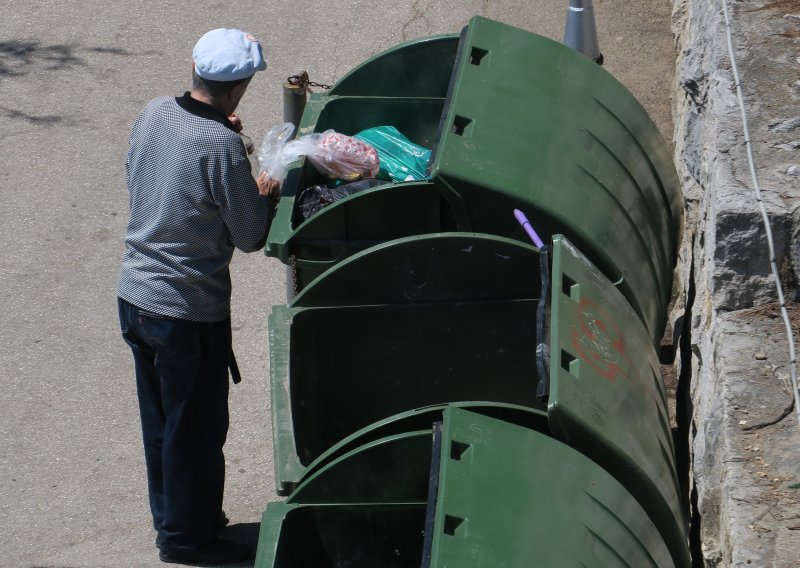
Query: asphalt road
x=73 y=76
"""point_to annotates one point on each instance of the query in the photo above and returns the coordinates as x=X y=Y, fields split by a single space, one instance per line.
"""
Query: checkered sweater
x=193 y=199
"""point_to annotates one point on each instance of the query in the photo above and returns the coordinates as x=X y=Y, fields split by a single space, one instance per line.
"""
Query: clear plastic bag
x=335 y=155
x=272 y=155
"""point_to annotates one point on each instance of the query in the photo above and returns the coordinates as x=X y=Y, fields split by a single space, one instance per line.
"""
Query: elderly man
x=193 y=199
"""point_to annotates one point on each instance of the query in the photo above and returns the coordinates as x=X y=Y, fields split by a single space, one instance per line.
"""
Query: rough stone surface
x=735 y=360
x=753 y=502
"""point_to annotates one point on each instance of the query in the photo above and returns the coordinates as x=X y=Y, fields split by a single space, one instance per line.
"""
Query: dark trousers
x=182 y=383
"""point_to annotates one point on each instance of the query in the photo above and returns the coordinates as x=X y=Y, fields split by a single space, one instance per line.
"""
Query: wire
x=767 y=227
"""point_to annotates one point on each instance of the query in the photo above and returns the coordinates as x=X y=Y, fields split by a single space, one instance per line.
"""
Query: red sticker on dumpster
x=598 y=340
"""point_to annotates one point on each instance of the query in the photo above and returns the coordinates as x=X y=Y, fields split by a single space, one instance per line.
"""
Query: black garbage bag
x=314 y=198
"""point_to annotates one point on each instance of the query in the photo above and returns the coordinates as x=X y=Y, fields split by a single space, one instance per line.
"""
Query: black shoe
x=222 y=522
x=217 y=552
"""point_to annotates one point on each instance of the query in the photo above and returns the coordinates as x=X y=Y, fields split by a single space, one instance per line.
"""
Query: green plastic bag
x=400 y=159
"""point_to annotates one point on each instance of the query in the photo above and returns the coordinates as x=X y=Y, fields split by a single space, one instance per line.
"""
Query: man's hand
x=268 y=187
x=236 y=121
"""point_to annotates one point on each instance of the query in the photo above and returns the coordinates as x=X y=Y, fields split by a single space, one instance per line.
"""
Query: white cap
x=227 y=55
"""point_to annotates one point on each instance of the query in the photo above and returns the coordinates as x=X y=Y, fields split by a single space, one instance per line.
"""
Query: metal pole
x=294 y=100
x=295 y=93
x=580 y=32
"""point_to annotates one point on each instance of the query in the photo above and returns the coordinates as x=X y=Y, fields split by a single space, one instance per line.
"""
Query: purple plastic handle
x=523 y=220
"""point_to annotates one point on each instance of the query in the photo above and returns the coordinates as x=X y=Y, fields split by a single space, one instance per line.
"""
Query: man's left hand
x=269 y=187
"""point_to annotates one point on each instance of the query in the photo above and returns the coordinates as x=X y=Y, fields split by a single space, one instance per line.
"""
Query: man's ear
x=241 y=88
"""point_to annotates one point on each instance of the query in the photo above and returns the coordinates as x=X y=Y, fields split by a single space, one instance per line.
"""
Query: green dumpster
x=522 y=122
x=452 y=318
x=470 y=490
x=457 y=318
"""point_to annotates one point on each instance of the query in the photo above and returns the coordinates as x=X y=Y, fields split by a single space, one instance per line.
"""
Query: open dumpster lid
x=513 y=497
x=607 y=397
x=533 y=124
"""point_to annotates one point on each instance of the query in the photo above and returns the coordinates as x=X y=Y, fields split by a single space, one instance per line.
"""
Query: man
x=193 y=199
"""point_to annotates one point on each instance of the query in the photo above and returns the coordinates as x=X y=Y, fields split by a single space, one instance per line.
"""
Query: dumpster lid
x=393 y=469
x=436 y=267
x=385 y=461
x=607 y=398
x=420 y=418
x=517 y=101
x=532 y=124
x=410 y=69
x=507 y=496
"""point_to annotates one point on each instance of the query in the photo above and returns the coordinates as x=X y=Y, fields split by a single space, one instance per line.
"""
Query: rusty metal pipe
x=294 y=100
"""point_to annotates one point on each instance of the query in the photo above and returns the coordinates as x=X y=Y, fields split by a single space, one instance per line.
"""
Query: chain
x=293 y=264
x=303 y=81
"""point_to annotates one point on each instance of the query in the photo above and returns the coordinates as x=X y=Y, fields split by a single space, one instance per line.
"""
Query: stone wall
x=733 y=352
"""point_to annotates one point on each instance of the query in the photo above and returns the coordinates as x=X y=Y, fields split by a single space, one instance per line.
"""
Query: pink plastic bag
x=334 y=155
x=339 y=156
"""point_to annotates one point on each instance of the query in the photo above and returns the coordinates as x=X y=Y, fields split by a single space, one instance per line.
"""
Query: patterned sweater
x=193 y=200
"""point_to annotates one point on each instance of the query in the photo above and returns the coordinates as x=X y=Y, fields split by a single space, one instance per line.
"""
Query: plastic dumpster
x=457 y=318
x=450 y=318
x=470 y=490
x=523 y=121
